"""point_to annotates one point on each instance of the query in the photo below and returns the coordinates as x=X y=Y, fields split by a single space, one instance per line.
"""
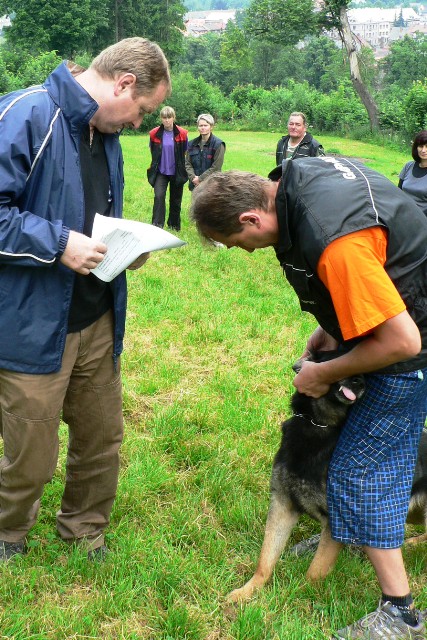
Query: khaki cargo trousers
x=87 y=394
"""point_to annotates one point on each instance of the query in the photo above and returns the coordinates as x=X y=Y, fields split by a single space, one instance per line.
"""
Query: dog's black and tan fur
x=298 y=480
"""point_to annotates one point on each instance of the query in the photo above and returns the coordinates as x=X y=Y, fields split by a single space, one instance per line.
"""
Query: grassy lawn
x=211 y=337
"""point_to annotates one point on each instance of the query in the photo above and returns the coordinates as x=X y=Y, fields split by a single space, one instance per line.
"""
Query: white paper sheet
x=126 y=240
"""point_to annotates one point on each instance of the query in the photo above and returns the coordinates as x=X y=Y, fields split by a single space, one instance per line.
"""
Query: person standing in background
x=205 y=154
x=168 y=144
x=413 y=177
x=298 y=143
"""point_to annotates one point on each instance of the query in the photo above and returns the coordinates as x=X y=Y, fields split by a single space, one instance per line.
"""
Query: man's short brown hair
x=219 y=200
x=139 y=56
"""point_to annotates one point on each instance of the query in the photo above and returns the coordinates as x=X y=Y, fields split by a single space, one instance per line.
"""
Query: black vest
x=321 y=199
x=202 y=158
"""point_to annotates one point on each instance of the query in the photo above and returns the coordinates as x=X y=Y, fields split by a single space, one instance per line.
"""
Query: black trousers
x=175 y=199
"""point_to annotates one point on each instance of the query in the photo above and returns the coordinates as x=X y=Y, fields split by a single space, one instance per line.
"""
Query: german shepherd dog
x=298 y=480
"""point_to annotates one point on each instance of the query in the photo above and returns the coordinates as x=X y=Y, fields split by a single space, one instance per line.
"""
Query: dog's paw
x=240 y=595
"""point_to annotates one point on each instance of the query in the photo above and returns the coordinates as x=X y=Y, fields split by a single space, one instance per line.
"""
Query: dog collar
x=302 y=415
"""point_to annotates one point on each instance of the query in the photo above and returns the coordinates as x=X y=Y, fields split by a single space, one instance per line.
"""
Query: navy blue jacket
x=41 y=200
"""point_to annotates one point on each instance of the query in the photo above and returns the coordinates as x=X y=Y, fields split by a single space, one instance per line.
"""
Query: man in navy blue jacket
x=61 y=328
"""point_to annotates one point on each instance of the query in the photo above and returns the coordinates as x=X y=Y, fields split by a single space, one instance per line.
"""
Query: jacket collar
x=75 y=103
x=280 y=174
x=306 y=139
x=159 y=131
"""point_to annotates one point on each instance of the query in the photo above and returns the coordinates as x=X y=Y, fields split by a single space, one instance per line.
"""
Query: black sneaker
x=99 y=554
x=10 y=549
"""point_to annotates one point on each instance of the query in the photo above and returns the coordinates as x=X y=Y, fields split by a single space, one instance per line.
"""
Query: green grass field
x=211 y=337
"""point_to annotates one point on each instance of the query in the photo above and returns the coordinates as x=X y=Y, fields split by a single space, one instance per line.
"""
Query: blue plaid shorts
x=370 y=474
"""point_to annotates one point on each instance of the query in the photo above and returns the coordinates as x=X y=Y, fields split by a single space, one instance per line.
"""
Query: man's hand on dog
x=320 y=341
x=309 y=380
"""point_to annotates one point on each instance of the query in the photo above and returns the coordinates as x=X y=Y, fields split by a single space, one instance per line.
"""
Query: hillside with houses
x=372 y=27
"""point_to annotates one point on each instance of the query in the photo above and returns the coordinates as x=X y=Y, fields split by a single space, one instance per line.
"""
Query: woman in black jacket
x=205 y=154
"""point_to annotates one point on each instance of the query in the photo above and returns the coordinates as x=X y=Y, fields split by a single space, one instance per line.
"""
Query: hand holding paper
x=126 y=241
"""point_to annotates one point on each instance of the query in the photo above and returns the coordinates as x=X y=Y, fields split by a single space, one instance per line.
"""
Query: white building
x=374 y=25
x=199 y=22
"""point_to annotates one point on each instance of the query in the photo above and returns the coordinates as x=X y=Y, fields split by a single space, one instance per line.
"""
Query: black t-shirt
x=91 y=296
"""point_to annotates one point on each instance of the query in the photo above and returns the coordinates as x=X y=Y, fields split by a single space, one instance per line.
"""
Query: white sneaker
x=385 y=623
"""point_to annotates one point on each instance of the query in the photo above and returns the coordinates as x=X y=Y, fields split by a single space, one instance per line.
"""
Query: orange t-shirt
x=352 y=269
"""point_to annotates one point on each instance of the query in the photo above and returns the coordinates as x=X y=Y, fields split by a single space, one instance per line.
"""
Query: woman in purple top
x=168 y=144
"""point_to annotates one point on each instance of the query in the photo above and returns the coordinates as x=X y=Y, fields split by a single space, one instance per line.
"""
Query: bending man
x=354 y=248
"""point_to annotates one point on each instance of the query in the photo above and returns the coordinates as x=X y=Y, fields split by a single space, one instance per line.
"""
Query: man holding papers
x=61 y=327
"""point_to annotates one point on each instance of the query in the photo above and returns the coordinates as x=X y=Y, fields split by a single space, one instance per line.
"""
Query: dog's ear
x=297 y=366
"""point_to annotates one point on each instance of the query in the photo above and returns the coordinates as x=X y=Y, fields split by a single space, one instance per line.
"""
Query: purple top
x=167 y=161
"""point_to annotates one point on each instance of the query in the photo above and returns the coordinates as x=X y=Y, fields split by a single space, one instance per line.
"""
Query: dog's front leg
x=325 y=557
x=417 y=514
x=416 y=539
x=280 y=522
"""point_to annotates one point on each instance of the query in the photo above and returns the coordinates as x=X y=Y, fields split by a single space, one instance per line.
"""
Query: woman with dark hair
x=413 y=177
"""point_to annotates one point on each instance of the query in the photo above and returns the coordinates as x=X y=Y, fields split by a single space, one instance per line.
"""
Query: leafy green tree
x=8 y=81
x=323 y=63
x=154 y=19
x=288 y=22
x=265 y=63
x=286 y=64
x=235 y=57
x=192 y=96
x=283 y=22
x=407 y=61
x=340 y=110
x=66 y=26
x=368 y=68
x=37 y=68
x=392 y=110
x=416 y=107
x=75 y=26
x=201 y=57
x=19 y=69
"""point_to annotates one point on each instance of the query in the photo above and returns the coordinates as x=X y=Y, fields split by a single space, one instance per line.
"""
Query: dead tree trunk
x=356 y=78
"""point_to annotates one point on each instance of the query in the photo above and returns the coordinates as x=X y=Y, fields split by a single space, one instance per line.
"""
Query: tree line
x=252 y=75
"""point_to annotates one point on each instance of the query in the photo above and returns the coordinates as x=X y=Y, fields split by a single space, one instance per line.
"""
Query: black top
x=91 y=296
